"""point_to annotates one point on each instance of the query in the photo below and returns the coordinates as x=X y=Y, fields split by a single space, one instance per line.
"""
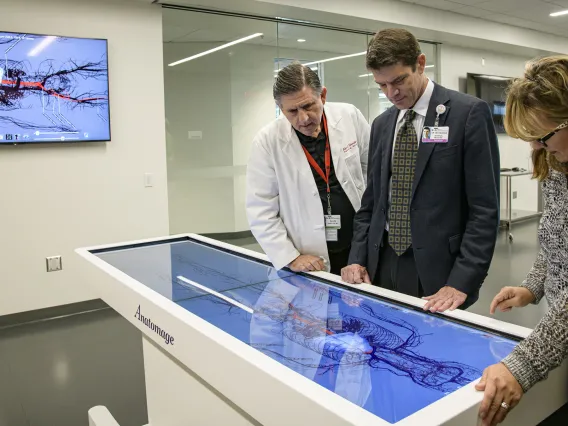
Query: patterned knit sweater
x=547 y=346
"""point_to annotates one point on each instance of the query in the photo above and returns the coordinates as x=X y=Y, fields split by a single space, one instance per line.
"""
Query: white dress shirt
x=421 y=108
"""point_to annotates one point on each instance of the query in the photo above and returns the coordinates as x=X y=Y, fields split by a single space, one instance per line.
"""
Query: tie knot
x=410 y=114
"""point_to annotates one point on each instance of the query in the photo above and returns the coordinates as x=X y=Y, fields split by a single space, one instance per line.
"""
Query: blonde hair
x=541 y=94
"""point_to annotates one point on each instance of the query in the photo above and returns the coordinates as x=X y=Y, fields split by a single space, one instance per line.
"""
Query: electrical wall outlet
x=53 y=263
x=514 y=195
x=148 y=180
x=195 y=135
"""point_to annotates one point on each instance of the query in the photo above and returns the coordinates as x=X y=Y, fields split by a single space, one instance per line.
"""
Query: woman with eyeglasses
x=537 y=111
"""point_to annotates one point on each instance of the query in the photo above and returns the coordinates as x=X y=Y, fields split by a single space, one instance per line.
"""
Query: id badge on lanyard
x=332 y=222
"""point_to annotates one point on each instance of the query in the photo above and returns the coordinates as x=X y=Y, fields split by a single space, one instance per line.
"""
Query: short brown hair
x=392 y=46
x=293 y=78
x=541 y=93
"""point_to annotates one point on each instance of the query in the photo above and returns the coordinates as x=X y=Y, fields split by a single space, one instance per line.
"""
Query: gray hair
x=294 y=78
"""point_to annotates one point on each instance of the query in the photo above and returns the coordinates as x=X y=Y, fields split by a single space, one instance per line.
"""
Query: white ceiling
x=533 y=14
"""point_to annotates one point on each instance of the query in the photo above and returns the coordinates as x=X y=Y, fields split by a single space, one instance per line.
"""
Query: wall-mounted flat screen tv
x=492 y=89
x=53 y=89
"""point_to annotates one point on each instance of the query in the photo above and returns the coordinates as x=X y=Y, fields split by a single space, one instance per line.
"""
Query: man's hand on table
x=307 y=263
x=355 y=274
x=448 y=298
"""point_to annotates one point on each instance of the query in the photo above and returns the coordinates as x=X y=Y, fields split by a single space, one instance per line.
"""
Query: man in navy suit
x=429 y=218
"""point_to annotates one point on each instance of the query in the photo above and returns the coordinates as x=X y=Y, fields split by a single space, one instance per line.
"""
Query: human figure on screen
x=373 y=353
x=294 y=320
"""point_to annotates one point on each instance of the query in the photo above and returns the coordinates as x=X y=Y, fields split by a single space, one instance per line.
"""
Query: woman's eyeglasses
x=543 y=140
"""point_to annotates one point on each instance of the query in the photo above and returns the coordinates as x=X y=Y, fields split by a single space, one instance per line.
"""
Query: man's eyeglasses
x=543 y=140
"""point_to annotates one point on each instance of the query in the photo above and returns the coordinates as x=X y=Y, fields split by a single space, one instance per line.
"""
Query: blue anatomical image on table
x=387 y=358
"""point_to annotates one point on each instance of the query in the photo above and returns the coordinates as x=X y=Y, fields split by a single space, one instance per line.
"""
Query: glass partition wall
x=219 y=71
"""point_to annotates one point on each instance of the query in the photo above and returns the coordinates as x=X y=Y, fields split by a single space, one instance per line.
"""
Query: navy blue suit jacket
x=454 y=209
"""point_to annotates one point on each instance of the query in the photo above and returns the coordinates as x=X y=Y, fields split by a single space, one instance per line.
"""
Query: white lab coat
x=283 y=205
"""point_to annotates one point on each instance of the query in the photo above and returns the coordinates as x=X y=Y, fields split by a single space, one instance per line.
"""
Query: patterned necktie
x=404 y=160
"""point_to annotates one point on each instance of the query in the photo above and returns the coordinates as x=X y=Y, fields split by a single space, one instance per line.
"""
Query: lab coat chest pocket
x=353 y=163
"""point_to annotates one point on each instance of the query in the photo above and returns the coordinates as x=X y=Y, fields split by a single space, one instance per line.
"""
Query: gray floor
x=511 y=263
x=52 y=372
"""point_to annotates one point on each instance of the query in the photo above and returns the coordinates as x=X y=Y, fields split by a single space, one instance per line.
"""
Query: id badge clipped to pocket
x=332 y=226
x=435 y=134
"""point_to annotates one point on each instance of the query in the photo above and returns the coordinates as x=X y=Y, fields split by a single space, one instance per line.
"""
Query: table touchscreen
x=389 y=359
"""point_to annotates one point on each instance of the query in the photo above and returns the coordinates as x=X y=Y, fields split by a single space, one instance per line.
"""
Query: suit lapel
x=388 y=147
x=439 y=97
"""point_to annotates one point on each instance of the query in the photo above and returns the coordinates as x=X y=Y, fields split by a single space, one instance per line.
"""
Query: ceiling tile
x=470 y=2
x=527 y=24
x=511 y=7
x=560 y=3
x=539 y=12
x=474 y=11
x=506 y=19
x=500 y=6
x=437 y=4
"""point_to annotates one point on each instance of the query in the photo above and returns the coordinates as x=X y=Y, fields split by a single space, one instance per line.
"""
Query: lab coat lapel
x=292 y=148
x=337 y=143
x=439 y=97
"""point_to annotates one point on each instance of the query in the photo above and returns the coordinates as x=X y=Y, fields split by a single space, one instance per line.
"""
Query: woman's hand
x=511 y=297
x=502 y=393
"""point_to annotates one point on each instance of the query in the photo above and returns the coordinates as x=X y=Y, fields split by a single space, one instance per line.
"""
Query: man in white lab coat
x=306 y=175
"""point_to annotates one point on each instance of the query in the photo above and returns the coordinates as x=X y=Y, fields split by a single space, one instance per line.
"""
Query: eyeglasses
x=543 y=140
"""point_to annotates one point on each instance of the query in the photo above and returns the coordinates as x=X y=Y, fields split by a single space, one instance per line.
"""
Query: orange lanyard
x=318 y=169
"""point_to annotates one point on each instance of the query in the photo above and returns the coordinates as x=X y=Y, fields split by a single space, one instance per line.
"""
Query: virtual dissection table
x=321 y=351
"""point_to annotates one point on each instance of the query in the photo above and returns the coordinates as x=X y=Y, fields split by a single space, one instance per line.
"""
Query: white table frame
x=210 y=378
x=101 y=416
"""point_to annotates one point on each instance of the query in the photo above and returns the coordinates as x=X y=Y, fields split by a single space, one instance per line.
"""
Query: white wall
x=58 y=198
x=456 y=63
x=200 y=174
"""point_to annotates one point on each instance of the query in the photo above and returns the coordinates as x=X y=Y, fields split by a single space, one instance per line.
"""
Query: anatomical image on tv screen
x=53 y=89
